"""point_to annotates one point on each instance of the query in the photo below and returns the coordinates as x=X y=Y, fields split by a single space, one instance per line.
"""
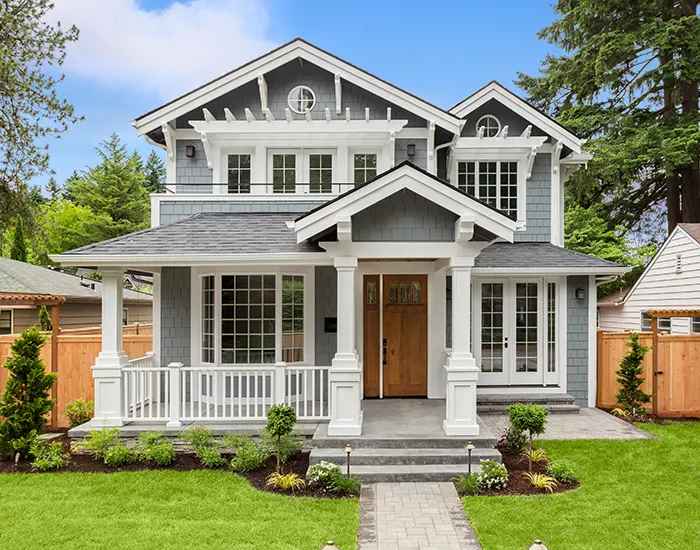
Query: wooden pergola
x=49 y=300
x=655 y=314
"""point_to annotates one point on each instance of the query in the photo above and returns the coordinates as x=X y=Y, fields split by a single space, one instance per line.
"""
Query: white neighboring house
x=670 y=281
x=326 y=237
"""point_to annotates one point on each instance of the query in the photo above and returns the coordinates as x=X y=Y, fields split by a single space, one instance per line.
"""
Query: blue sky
x=135 y=55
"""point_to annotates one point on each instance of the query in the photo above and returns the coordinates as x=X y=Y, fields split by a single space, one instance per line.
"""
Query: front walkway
x=414 y=515
x=588 y=424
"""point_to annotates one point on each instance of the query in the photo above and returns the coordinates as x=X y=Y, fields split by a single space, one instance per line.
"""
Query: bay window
x=493 y=182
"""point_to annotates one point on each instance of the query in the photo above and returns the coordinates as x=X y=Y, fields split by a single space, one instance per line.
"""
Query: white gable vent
x=679 y=263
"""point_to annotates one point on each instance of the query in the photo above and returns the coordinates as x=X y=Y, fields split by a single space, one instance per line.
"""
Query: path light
x=469 y=449
x=348 y=450
x=330 y=545
x=538 y=545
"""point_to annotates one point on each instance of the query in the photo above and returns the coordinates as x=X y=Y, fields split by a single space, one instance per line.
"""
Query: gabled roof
x=495 y=90
x=294 y=49
x=22 y=278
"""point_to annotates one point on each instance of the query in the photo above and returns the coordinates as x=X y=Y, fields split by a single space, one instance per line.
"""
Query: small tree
x=26 y=399
x=281 y=420
x=45 y=319
x=528 y=418
x=630 y=378
x=19 y=243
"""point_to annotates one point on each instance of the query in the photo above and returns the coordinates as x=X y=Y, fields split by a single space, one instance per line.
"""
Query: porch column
x=462 y=372
x=345 y=374
x=107 y=372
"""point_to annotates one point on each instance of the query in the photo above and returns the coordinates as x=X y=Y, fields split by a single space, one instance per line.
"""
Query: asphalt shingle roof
x=22 y=278
x=536 y=255
x=692 y=229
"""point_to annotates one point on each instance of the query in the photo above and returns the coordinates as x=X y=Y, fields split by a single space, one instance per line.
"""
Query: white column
x=107 y=372
x=345 y=374
x=174 y=392
x=462 y=372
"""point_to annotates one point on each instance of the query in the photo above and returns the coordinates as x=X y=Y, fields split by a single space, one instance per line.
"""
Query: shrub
x=630 y=378
x=493 y=475
x=79 y=412
x=620 y=413
x=26 y=400
x=286 y=482
x=514 y=439
x=528 y=418
x=45 y=319
x=468 y=484
x=534 y=455
x=198 y=436
x=250 y=455
x=541 y=481
x=323 y=472
x=119 y=456
x=344 y=485
x=161 y=453
x=289 y=445
x=281 y=420
x=564 y=471
x=210 y=457
x=48 y=456
x=99 y=442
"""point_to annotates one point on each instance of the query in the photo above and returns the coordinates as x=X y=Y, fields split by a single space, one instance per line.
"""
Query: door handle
x=505 y=341
x=384 y=344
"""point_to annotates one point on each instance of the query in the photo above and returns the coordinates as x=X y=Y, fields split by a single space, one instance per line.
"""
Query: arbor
x=31 y=50
x=154 y=172
x=628 y=80
x=19 y=244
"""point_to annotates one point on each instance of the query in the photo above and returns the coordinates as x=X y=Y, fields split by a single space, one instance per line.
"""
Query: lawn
x=635 y=495
x=164 y=510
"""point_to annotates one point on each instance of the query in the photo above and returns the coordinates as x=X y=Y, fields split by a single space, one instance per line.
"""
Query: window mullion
x=217 y=319
x=278 y=317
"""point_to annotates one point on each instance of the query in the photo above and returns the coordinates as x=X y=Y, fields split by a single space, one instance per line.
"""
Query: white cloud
x=166 y=52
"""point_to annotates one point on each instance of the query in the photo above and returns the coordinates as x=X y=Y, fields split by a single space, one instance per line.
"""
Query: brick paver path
x=413 y=515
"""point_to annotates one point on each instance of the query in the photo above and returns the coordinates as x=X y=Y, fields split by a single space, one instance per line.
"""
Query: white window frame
x=125 y=310
x=692 y=329
x=301 y=87
x=643 y=316
x=226 y=170
x=351 y=162
x=477 y=172
x=479 y=124
x=12 y=319
x=302 y=186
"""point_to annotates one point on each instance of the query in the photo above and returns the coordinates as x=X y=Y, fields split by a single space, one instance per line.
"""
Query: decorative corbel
x=208 y=149
x=249 y=115
x=504 y=132
x=208 y=116
x=229 y=115
x=556 y=156
x=169 y=140
x=527 y=131
x=262 y=85
x=464 y=228
x=344 y=229
x=431 y=139
x=268 y=115
x=531 y=161
x=338 y=94
x=288 y=114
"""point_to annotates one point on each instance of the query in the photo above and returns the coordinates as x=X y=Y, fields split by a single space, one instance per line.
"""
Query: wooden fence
x=679 y=364
x=76 y=354
x=143 y=329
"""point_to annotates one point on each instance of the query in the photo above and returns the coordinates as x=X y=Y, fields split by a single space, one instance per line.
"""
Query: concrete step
x=555 y=403
x=444 y=442
x=369 y=457
x=421 y=472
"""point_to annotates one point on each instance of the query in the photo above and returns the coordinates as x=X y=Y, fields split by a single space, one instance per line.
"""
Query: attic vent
x=679 y=263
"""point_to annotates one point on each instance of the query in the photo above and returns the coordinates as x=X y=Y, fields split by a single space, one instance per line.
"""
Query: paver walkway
x=413 y=515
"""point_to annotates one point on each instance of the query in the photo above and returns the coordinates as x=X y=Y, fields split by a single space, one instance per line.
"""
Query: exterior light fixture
x=411 y=150
x=470 y=448
x=538 y=545
x=348 y=450
x=580 y=294
x=189 y=151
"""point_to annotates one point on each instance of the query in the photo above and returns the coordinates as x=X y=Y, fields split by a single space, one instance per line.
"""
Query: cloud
x=166 y=52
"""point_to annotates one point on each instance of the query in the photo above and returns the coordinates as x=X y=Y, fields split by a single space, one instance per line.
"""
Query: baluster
x=313 y=393
x=255 y=374
x=240 y=395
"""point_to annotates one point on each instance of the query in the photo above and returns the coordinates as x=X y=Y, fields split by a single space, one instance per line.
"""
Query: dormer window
x=301 y=99
x=490 y=124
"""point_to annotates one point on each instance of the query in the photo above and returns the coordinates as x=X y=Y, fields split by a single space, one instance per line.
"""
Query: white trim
x=153 y=262
x=264 y=129
x=496 y=271
x=519 y=390
x=557 y=191
x=157 y=289
x=244 y=197
x=155 y=209
x=520 y=107
x=398 y=250
x=592 y=341
x=279 y=57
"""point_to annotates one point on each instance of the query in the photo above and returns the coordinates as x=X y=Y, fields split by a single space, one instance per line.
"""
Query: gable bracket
x=338 y=94
x=464 y=229
x=556 y=155
x=531 y=161
x=229 y=115
x=262 y=85
x=344 y=229
x=208 y=149
x=169 y=139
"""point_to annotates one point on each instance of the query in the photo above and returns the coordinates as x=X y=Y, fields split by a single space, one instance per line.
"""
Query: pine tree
x=45 y=319
x=154 y=172
x=19 y=243
x=26 y=400
x=53 y=189
x=629 y=376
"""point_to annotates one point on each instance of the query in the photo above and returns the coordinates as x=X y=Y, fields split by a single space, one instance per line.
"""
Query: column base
x=460 y=408
x=106 y=422
x=107 y=378
x=173 y=424
x=345 y=378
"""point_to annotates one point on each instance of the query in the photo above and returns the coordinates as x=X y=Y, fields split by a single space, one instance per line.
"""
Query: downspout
x=451 y=145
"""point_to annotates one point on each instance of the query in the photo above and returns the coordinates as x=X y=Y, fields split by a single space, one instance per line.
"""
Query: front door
x=405 y=335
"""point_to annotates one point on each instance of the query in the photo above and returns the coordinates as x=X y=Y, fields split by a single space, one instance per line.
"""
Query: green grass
x=164 y=510
x=635 y=495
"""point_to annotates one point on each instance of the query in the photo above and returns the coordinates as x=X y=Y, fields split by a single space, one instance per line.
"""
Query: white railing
x=183 y=394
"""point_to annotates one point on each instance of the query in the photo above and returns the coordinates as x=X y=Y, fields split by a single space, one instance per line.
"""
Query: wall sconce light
x=580 y=294
x=348 y=450
x=189 y=151
x=411 y=150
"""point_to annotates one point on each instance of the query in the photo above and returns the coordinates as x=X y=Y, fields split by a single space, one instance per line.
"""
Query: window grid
x=492 y=327
x=239 y=171
x=526 y=327
x=551 y=327
x=284 y=173
x=491 y=125
x=664 y=323
x=292 y=318
x=495 y=183
x=208 y=292
x=248 y=319
x=695 y=325
x=365 y=167
x=6 y=321
x=320 y=173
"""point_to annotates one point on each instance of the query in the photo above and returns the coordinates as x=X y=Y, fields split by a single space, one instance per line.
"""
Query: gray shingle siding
x=175 y=315
x=577 y=341
x=421 y=158
x=516 y=124
x=538 y=202
x=192 y=171
x=326 y=306
x=404 y=216
x=172 y=211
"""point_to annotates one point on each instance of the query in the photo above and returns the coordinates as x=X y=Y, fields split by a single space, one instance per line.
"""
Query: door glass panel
x=492 y=327
x=551 y=327
x=371 y=292
x=526 y=330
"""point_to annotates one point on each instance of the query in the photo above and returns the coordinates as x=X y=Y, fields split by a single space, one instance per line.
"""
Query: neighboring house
x=83 y=305
x=325 y=236
x=670 y=281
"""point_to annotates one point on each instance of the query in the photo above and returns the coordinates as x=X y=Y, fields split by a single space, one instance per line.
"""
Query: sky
x=134 y=55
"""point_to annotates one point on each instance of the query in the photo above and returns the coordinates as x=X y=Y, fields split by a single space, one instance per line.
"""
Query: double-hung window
x=302 y=171
x=664 y=323
x=695 y=325
x=320 y=172
x=364 y=167
x=239 y=173
x=5 y=321
x=284 y=172
x=493 y=182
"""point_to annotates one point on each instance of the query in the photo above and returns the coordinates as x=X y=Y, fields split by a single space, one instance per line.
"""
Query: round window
x=491 y=125
x=301 y=99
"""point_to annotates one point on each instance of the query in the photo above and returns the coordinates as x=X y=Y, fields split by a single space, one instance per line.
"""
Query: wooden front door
x=405 y=335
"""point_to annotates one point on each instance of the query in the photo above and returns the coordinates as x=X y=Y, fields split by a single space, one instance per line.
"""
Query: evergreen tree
x=19 y=243
x=45 y=319
x=628 y=81
x=67 y=225
x=53 y=189
x=630 y=378
x=26 y=399
x=154 y=172
x=68 y=186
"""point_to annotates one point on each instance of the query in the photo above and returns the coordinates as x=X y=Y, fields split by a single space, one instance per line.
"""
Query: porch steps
x=411 y=472
x=406 y=457
x=498 y=403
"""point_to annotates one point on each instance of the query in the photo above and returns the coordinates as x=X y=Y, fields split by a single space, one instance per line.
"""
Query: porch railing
x=183 y=394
